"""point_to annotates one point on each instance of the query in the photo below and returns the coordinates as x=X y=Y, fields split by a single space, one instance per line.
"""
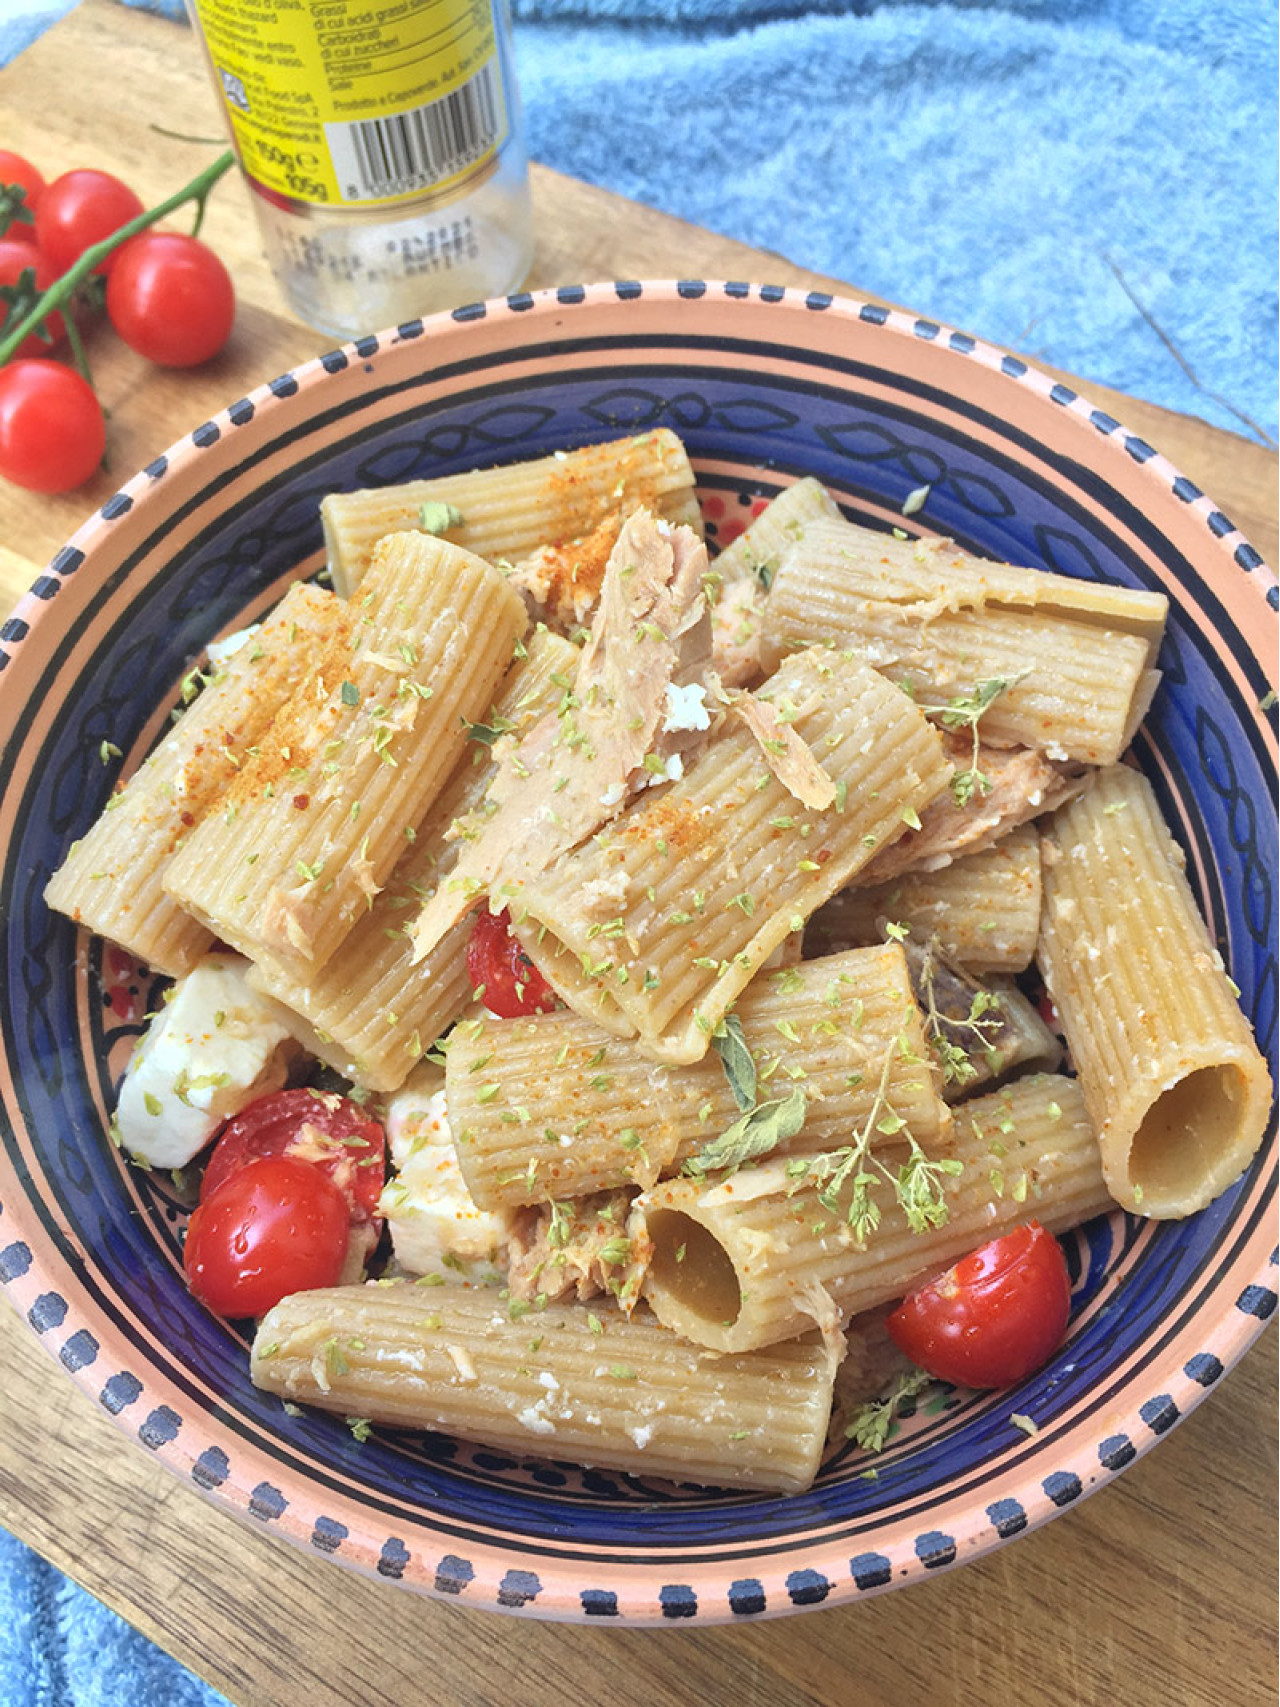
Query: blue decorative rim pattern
x=754 y=408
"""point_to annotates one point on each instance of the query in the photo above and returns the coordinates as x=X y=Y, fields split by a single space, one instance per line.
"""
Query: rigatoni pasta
x=549 y=1107
x=1175 y=1083
x=982 y=909
x=760 y=547
x=755 y=1258
x=603 y=1388
x=504 y=514
x=111 y=880
x=662 y=919
x=314 y=822
x=769 y=833
x=848 y=560
x=370 y=1011
x=1070 y=688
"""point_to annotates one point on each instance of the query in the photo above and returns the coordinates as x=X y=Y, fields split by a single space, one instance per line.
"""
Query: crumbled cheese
x=686 y=707
x=535 y=1420
x=214 y=1047
x=221 y=650
x=435 y=1224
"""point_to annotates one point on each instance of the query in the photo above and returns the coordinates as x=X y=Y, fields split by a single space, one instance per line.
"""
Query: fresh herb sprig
x=853 y=1169
x=980 y=1027
x=869 y=1426
x=966 y=712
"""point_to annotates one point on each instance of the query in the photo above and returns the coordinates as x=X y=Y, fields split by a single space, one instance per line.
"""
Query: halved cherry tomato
x=78 y=210
x=170 y=298
x=52 y=434
x=501 y=970
x=994 y=1318
x=329 y=1132
x=275 y=1226
x=16 y=172
x=17 y=258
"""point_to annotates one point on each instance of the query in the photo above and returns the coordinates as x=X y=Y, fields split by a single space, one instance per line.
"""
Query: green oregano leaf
x=737 y=1060
x=756 y=1134
x=435 y=517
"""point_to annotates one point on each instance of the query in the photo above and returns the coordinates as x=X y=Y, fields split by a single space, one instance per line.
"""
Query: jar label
x=345 y=104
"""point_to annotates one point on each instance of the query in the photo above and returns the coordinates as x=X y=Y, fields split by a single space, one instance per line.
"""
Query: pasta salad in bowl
x=640 y=926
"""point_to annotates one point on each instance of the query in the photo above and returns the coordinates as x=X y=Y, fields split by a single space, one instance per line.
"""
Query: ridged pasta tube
x=111 y=880
x=316 y=819
x=1074 y=689
x=372 y=1012
x=983 y=909
x=591 y=1385
x=551 y=1107
x=1172 y=1076
x=757 y=1258
x=655 y=926
x=936 y=571
x=759 y=549
x=506 y=513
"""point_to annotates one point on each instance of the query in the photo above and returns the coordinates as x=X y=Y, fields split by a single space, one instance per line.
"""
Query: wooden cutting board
x=1161 y=1589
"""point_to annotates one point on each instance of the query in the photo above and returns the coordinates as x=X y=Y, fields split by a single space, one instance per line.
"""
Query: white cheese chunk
x=221 y=650
x=213 y=1048
x=686 y=707
x=436 y=1227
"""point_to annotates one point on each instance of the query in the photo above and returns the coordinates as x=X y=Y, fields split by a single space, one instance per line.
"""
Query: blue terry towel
x=1056 y=176
x=1089 y=181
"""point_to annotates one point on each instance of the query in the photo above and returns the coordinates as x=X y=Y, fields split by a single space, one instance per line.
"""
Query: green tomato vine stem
x=64 y=287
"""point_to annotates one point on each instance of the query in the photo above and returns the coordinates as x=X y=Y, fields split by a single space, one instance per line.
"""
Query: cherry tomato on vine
x=52 y=434
x=17 y=258
x=995 y=1317
x=500 y=968
x=276 y=1226
x=17 y=172
x=78 y=210
x=170 y=298
x=331 y=1133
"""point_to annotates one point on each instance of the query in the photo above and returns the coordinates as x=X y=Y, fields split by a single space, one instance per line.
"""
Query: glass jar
x=384 y=148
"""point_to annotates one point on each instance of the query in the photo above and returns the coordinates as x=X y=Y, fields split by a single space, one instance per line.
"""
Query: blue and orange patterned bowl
x=762 y=384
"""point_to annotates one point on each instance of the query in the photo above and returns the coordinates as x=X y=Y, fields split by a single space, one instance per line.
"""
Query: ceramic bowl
x=763 y=384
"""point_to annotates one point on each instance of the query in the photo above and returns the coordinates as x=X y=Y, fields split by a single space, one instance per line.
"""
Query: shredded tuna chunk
x=581 y=1249
x=288 y=921
x=735 y=633
x=560 y=583
x=577 y=766
x=1022 y=785
x=785 y=753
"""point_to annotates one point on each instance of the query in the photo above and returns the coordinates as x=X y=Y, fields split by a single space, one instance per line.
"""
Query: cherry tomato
x=78 y=210
x=17 y=258
x=995 y=1317
x=500 y=968
x=52 y=434
x=170 y=298
x=18 y=173
x=275 y=1226
x=330 y=1132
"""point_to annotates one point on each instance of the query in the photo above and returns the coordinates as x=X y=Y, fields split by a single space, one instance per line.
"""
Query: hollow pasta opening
x=692 y=1268
x=1187 y=1134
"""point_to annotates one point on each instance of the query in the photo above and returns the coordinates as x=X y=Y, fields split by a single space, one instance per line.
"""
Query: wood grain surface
x=1159 y=1590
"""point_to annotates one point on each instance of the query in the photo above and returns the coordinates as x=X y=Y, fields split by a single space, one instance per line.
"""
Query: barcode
x=421 y=147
